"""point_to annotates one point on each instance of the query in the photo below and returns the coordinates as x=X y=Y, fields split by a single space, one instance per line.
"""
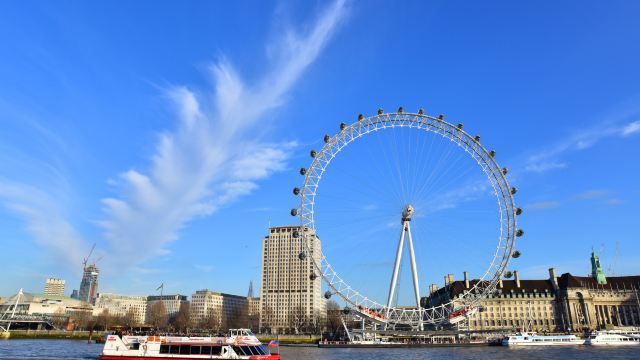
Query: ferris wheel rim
x=483 y=157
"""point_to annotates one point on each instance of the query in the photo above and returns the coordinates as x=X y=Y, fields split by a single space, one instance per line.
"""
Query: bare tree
x=298 y=319
x=105 y=319
x=238 y=317
x=212 y=321
x=333 y=322
x=129 y=320
x=267 y=320
x=59 y=319
x=182 y=321
x=158 y=315
x=84 y=321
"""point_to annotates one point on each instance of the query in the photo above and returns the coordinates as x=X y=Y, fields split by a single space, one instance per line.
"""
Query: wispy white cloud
x=45 y=221
x=204 y=268
x=593 y=194
x=551 y=158
x=543 y=205
x=451 y=199
x=214 y=155
x=631 y=128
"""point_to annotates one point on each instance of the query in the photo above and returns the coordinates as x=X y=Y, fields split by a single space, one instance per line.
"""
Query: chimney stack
x=466 y=280
x=517 y=276
x=553 y=278
x=446 y=280
x=433 y=288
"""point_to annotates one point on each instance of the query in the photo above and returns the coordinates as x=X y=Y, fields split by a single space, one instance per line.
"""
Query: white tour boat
x=241 y=344
x=613 y=337
x=531 y=339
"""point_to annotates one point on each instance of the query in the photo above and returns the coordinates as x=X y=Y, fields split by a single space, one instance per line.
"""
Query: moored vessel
x=240 y=344
x=613 y=337
x=531 y=339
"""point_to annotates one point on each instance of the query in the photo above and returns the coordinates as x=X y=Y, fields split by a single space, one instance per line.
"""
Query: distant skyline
x=171 y=134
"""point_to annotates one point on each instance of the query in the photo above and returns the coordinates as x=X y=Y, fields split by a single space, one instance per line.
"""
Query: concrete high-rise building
x=290 y=293
x=89 y=284
x=54 y=286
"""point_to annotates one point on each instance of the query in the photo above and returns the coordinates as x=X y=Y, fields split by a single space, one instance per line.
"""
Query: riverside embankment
x=55 y=334
x=84 y=335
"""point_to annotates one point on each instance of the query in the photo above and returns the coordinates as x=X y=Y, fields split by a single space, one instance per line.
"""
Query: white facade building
x=228 y=310
x=290 y=293
x=121 y=305
x=171 y=303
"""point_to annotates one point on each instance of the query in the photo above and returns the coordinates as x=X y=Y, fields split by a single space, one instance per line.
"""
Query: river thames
x=80 y=350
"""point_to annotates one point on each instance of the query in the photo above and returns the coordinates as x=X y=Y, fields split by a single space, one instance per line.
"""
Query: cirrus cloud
x=215 y=154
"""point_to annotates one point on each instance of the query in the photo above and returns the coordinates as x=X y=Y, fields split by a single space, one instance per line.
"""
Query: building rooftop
x=613 y=282
x=565 y=281
x=39 y=298
x=508 y=286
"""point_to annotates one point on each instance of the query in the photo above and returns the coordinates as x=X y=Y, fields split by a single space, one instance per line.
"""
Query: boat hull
x=549 y=343
x=614 y=343
x=126 y=357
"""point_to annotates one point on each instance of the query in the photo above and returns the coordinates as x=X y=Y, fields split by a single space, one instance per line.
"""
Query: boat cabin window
x=164 y=349
x=135 y=346
x=205 y=350
x=215 y=350
x=242 y=350
x=195 y=350
x=262 y=350
x=174 y=349
x=185 y=349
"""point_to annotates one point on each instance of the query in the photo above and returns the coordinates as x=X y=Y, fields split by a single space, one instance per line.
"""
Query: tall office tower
x=54 y=286
x=290 y=292
x=89 y=284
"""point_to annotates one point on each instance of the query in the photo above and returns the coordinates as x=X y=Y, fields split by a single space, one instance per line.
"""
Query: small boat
x=240 y=344
x=531 y=339
x=613 y=337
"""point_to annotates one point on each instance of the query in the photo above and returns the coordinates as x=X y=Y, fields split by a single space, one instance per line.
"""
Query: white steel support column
x=406 y=229
x=396 y=268
x=414 y=270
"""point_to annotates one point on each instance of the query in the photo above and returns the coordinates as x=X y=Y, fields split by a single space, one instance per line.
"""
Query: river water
x=80 y=350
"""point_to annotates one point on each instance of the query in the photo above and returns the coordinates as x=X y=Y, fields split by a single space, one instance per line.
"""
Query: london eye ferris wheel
x=397 y=180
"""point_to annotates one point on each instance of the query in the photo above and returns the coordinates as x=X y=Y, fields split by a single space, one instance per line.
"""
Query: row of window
x=510 y=322
x=211 y=350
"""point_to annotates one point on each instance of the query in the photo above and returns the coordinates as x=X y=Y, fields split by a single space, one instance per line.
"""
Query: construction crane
x=84 y=262
x=614 y=262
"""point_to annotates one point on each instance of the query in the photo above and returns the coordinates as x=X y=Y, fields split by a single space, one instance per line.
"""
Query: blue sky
x=170 y=134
